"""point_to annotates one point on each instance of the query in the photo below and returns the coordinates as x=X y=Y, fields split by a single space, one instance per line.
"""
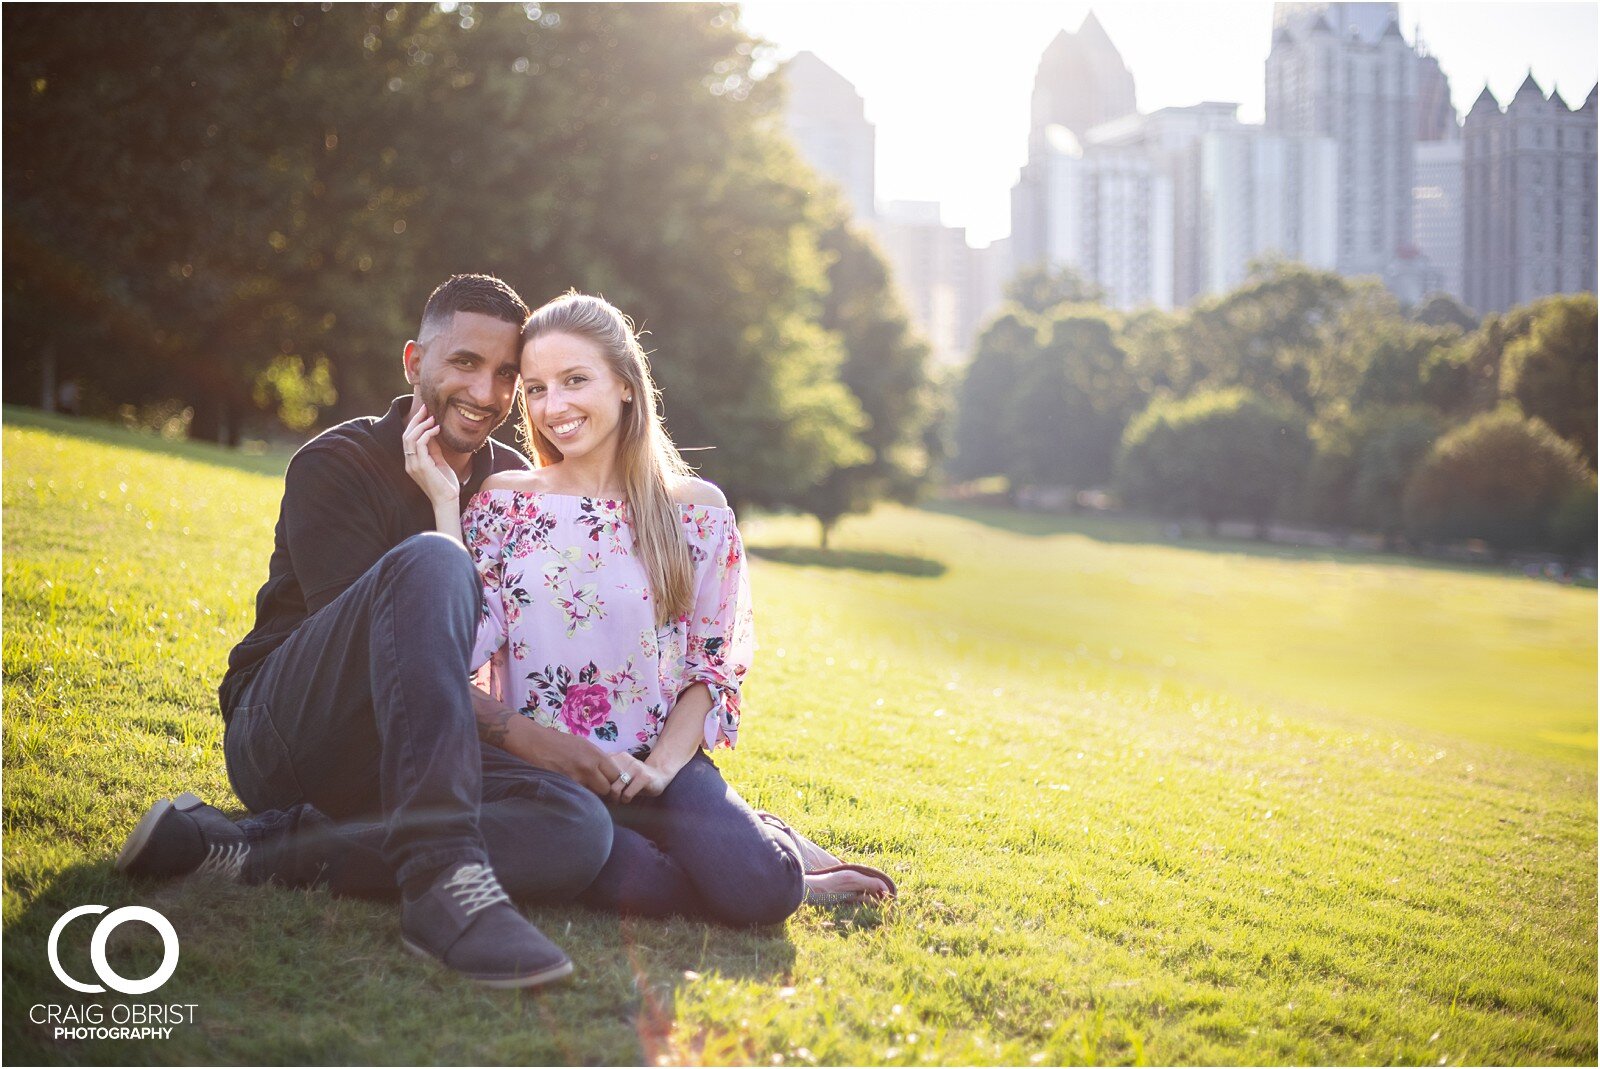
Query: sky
x=947 y=84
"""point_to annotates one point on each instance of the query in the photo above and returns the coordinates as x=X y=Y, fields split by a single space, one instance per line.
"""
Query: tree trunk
x=47 y=387
x=232 y=426
x=827 y=531
x=208 y=420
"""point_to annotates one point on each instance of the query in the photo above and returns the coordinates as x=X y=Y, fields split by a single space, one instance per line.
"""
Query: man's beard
x=441 y=410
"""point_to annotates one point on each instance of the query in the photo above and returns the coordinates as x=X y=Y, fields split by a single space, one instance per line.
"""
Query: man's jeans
x=697 y=849
x=356 y=739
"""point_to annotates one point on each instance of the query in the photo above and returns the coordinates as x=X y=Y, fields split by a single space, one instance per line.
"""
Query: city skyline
x=918 y=106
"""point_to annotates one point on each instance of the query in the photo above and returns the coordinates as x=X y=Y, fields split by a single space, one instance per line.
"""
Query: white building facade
x=1344 y=71
x=1240 y=193
x=1109 y=218
x=1438 y=219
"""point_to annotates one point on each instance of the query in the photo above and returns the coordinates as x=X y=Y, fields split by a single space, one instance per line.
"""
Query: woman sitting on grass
x=616 y=608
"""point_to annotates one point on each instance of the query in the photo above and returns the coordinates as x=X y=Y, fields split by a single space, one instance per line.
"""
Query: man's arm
x=502 y=726
x=332 y=532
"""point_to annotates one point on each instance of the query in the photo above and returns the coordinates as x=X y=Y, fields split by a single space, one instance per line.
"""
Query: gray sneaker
x=184 y=837
x=466 y=922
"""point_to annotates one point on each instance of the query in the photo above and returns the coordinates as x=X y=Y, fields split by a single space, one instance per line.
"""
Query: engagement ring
x=625 y=779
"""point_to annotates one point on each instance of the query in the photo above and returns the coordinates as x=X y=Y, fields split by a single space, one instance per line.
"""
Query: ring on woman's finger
x=625 y=779
x=411 y=452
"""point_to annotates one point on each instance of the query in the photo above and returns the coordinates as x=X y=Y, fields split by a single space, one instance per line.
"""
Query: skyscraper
x=827 y=120
x=1529 y=199
x=930 y=263
x=1343 y=70
x=1436 y=116
x=1109 y=218
x=1081 y=82
x=1436 y=193
x=1240 y=193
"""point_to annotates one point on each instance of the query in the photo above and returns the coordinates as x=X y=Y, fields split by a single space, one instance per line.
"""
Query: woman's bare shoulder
x=525 y=480
x=692 y=491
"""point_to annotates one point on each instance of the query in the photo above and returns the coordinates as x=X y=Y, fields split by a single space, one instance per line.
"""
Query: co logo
x=97 y=950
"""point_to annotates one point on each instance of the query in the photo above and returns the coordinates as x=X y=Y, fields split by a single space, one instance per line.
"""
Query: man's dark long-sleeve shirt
x=347 y=501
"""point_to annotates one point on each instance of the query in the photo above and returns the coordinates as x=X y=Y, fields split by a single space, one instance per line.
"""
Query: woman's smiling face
x=574 y=398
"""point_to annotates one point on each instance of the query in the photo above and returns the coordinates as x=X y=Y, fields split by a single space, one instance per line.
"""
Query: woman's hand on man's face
x=424 y=463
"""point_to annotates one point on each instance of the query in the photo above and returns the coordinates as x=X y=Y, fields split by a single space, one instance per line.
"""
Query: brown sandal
x=851 y=898
x=816 y=861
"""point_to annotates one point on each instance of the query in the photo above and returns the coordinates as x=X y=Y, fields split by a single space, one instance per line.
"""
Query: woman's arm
x=429 y=471
x=680 y=737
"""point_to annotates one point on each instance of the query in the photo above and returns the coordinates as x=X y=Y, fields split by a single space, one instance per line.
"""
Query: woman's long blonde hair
x=650 y=463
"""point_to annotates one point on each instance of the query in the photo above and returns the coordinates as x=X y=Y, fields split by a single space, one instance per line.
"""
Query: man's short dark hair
x=483 y=294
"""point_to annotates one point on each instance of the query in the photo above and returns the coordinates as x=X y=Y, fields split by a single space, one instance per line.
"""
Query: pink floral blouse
x=569 y=624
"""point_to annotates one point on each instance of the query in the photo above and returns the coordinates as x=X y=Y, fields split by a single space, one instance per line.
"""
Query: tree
x=628 y=150
x=1272 y=336
x=1499 y=478
x=885 y=368
x=1394 y=357
x=985 y=441
x=1395 y=442
x=1324 y=495
x=1443 y=310
x=1039 y=289
x=1574 y=527
x=1074 y=395
x=1464 y=380
x=1550 y=370
x=1216 y=455
x=195 y=151
x=243 y=206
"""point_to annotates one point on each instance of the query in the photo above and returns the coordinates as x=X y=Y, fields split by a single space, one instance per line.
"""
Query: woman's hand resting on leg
x=642 y=778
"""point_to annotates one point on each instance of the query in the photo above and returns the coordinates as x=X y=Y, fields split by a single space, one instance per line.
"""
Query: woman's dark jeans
x=697 y=849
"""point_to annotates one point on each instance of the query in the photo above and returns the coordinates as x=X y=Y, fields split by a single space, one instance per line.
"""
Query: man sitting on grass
x=351 y=728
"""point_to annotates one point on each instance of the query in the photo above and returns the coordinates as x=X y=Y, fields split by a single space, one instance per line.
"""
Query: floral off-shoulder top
x=569 y=622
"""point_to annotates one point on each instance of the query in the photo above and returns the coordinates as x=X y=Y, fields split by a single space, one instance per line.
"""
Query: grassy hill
x=1146 y=802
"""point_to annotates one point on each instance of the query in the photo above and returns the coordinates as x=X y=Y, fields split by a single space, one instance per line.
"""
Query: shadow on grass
x=852 y=559
x=1145 y=532
x=290 y=977
x=273 y=461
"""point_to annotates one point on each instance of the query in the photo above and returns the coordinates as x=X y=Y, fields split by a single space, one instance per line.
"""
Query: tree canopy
x=241 y=208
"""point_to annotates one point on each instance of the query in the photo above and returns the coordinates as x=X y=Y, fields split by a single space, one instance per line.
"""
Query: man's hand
x=575 y=758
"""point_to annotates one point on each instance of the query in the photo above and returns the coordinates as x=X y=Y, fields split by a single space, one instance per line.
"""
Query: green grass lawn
x=1146 y=802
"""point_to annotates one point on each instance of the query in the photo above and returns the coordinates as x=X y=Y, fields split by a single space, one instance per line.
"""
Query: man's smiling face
x=465 y=371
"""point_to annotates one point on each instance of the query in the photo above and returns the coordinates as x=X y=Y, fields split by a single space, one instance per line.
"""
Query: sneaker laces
x=475 y=888
x=224 y=859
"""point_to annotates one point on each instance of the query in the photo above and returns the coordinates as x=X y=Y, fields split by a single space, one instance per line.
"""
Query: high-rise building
x=1343 y=70
x=1438 y=218
x=986 y=283
x=1529 y=198
x=1240 y=193
x=1436 y=192
x=827 y=120
x=930 y=264
x=1081 y=82
x=1436 y=116
x=1109 y=218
